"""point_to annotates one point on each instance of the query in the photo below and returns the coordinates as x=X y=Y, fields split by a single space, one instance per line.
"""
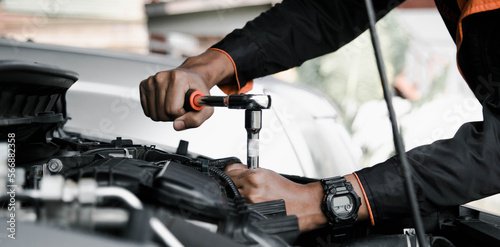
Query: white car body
x=301 y=134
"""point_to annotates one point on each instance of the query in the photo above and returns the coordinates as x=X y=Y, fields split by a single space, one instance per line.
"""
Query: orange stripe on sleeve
x=372 y=220
x=469 y=7
x=230 y=88
x=472 y=7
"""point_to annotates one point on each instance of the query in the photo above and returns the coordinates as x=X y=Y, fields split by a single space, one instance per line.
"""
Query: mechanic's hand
x=162 y=98
x=162 y=95
x=259 y=185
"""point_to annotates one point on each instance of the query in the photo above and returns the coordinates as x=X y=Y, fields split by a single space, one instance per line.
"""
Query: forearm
x=295 y=31
x=445 y=173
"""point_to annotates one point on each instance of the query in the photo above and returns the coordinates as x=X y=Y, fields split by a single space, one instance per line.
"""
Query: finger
x=175 y=95
x=160 y=94
x=193 y=119
x=143 y=93
x=235 y=166
x=151 y=98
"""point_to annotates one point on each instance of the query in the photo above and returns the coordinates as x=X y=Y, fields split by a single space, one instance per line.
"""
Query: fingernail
x=179 y=125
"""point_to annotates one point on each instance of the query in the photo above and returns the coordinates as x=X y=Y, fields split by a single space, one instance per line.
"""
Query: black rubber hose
x=222 y=163
x=223 y=176
x=398 y=141
x=215 y=166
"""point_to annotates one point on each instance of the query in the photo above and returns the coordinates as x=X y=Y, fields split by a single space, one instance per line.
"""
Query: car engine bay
x=128 y=191
x=66 y=189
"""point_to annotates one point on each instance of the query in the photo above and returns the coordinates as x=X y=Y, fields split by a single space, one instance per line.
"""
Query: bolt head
x=55 y=165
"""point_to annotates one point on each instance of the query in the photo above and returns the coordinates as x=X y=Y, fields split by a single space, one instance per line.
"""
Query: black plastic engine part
x=269 y=208
x=32 y=99
x=35 y=175
x=159 y=155
x=211 y=167
x=131 y=174
x=286 y=227
x=181 y=189
x=182 y=149
x=184 y=187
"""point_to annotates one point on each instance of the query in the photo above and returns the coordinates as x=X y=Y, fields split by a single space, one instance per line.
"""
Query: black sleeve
x=461 y=169
x=446 y=173
x=294 y=31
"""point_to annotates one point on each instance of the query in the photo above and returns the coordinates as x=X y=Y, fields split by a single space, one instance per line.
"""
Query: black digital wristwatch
x=340 y=203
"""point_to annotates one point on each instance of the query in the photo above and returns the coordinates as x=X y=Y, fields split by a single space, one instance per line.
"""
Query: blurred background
x=432 y=98
x=419 y=54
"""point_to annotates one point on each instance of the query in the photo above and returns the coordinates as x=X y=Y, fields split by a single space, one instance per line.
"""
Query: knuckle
x=178 y=78
x=173 y=76
x=172 y=112
x=255 y=178
x=161 y=81
x=160 y=76
x=150 y=84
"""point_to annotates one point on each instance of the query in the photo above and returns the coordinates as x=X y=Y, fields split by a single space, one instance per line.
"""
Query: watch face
x=343 y=205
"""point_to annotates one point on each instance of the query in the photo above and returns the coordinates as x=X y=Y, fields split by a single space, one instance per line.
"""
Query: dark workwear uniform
x=445 y=173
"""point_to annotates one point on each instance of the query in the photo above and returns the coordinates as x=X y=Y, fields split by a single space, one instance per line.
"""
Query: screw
x=55 y=165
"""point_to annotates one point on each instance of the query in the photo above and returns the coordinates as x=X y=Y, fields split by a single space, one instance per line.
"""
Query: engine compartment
x=61 y=188
x=117 y=189
x=120 y=189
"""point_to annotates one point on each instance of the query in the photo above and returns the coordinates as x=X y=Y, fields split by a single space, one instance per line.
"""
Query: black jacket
x=445 y=173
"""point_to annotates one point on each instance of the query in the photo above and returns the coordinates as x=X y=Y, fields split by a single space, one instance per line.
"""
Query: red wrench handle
x=191 y=100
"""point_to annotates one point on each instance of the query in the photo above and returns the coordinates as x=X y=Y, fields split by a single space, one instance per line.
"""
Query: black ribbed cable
x=223 y=176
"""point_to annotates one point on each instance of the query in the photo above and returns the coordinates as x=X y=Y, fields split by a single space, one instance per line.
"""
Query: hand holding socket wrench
x=251 y=103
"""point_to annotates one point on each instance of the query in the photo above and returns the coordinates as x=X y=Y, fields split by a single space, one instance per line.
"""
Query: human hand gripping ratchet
x=162 y=95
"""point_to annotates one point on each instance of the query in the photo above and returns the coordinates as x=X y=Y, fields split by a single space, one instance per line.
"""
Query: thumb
x=179 y=125
x=192 y=119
